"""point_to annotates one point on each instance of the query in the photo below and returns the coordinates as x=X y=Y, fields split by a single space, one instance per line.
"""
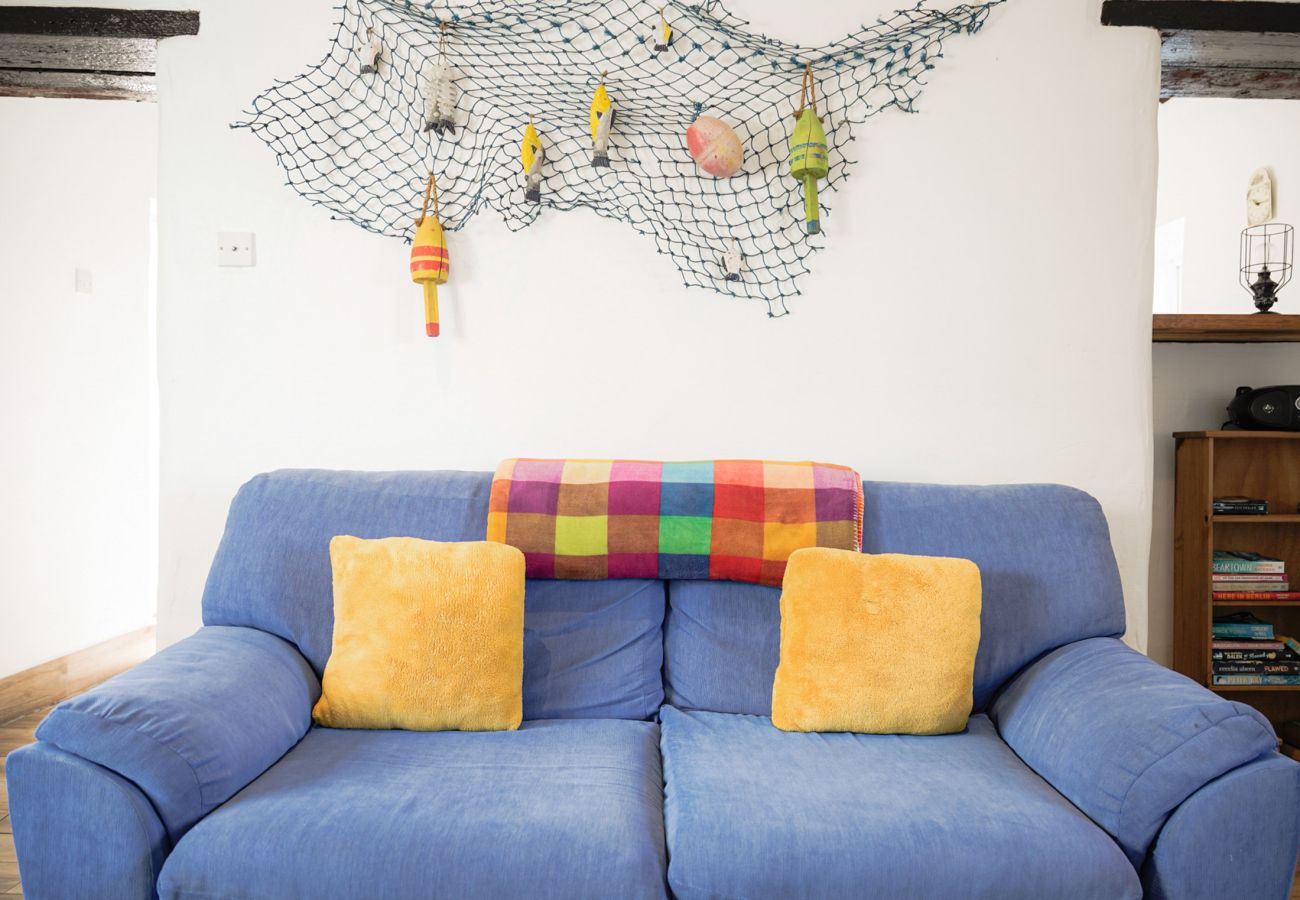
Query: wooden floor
x=19 y=732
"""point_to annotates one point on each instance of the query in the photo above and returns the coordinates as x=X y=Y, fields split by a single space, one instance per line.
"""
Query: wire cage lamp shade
x=1267 y=261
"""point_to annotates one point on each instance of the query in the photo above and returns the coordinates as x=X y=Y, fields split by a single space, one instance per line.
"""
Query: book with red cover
x=1257 y=595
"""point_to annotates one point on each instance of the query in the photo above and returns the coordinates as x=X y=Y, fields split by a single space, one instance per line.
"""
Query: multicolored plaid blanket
x=734 y=520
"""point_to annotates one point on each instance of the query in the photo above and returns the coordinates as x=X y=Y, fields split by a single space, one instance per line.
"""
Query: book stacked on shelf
x=1239 y=575
x=1246 y=651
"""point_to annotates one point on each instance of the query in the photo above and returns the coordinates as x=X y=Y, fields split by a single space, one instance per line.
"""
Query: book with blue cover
x=1262 y=680
x=1242 y=625
x=1246 y=563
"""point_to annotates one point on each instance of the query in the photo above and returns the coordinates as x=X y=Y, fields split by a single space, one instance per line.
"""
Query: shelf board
x=1238 y=688
x=1241 y=435
x=1252 y=328
x=1270 y=519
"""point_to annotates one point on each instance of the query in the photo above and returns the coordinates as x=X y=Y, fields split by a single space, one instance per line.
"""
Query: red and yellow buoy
x=430 y=264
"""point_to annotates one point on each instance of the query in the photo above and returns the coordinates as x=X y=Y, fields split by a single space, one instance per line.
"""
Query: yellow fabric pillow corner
x=876 y=644
x=428 y=636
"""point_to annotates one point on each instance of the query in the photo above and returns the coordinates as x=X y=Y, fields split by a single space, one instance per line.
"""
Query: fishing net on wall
x=356 y=142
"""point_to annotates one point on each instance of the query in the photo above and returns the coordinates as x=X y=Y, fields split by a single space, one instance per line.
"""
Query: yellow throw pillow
x=427 y=636
x=876 y=644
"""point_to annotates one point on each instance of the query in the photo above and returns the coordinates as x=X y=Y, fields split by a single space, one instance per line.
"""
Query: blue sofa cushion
x=593 y=649
x=557 y=809
x=1124 y=738
x=590 y=648
x=754 y=812
x=1047 y=567
x=722 y=641
x=194 y=724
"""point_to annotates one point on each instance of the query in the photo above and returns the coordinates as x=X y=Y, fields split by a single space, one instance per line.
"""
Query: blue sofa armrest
x=80 y=830
x=1235 y=837
x=194 y=724
x=1126 y=740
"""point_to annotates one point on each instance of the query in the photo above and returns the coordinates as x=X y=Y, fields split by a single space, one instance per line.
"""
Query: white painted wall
x=76 y=181
x=1011 y=345
x=1208 y=150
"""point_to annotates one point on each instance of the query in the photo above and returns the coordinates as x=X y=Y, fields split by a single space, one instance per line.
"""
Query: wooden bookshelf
x=1209 y=464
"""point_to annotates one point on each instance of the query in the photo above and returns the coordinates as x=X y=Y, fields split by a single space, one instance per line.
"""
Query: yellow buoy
x=602 y=120
x=532 y=156
x=430 y=264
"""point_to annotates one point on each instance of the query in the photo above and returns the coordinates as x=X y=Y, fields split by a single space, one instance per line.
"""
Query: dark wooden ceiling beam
x=78 y=54
x=76 y=85
x=84 y=52
x=1220 y=48
x=1204 y=15
x=1230 y=49
x=155 y=24
x=1235 y=83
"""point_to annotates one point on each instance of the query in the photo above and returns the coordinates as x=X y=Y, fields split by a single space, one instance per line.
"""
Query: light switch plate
x=84 y=280
x=235 y=248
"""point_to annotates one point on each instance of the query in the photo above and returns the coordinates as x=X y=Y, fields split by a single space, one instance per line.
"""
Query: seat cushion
x=592 y=649
x=568 y=808
x=754 y=812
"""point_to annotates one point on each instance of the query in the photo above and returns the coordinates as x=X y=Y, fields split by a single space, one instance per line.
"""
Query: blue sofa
x=646 y=765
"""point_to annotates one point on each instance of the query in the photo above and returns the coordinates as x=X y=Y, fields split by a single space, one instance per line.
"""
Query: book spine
x=1244 y=576
x=1257 y=595
x=1292 y=644
x=1257 y=679
x=1257 y=667
x=1238 y=630
x=1246 y=567
x=1245 y=655
x=1246 y=645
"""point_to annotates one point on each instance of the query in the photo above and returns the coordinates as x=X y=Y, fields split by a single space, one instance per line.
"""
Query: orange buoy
x=430 y=264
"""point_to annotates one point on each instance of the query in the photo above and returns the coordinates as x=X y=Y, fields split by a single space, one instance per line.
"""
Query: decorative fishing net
x=357 y=143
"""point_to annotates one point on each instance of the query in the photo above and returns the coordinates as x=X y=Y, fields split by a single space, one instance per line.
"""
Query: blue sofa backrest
x=1045 y=558
x=595 y=649
x=591 y=649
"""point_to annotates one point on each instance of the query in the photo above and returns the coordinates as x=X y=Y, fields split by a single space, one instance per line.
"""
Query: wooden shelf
x=1241 y=435
x=1238 y=688
x=1253 y=328
x=1270 y=519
